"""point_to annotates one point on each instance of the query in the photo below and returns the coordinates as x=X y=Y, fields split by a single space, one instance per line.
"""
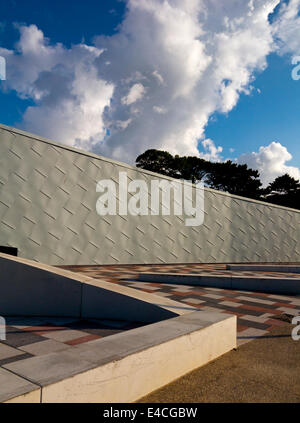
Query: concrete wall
x=48 y=211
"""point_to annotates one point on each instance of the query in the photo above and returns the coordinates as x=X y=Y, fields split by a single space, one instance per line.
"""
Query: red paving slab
x=82 y=339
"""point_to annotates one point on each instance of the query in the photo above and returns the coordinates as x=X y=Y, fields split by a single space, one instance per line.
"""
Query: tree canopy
x=225 y=176
x=234 y=178
x=285 y=191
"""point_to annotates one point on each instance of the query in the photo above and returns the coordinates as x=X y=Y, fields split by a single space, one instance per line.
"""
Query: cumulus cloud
x=136 y=92
x=212 y=153
x=270 y=161
x=159 y=109
x=69 y=96
x=286 y=28
x=196 y=58
x=155 y=83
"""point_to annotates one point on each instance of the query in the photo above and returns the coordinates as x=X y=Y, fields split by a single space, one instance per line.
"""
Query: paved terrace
x=257 y=313
x=27 y=337
x=87 y=358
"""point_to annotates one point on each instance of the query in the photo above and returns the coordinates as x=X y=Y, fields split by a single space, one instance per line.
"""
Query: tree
x=157 y=161
x=225 y=176
x=284 y=184
x=235 y=179
x=284 y=191
x=188 y=167
x=191 y=168
x=228 y=176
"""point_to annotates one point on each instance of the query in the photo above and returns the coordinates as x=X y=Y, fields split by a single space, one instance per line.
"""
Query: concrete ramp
x=33 y=289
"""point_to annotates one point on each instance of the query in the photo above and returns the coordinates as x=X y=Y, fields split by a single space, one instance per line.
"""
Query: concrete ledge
x=288 y=286
x=186 y=279
x=264 y=268
x=34 y=289
x=127 y=366
x=16 y=389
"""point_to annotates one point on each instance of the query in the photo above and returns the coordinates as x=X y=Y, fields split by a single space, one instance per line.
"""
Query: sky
x=212 y=78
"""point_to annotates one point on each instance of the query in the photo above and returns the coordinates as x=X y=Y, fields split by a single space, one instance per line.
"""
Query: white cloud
x=205 y=53
x=286 y=28
x=270 y=161
x=160 y=110
x=155 y=83
x=69 y=96
x=136 y=92
x=158 y=76
x=212 y=153
x=122 y=124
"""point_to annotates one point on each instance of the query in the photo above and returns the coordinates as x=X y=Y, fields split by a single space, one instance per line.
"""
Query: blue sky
x=134 y=52
x=62 y=22
x=269 y=115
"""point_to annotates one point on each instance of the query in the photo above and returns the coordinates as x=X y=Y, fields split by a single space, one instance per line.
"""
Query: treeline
x=225 y=176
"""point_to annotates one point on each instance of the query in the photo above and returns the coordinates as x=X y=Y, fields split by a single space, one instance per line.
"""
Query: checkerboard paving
x=257 y=312
x=28 y=337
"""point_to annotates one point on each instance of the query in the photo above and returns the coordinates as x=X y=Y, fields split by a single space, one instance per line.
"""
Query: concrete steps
x=288 y=286
x=265 y=268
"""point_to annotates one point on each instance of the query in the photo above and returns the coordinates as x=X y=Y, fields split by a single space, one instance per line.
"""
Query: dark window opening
x=12 y=251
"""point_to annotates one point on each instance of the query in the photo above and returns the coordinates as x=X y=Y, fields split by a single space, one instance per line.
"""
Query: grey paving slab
x=49 y=368
x=44 y=347
x=193 y=300
x=249 y=335
x=259 y=319
x=292 y=311
x=257 y=300
x=213 y=296
x=16 y=337
x=12 y=385
x=65 y=335
x=12 y=359
x=6 y=351
x=230 y=303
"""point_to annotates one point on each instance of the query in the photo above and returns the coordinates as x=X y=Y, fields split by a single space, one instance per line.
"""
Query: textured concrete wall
x=48 y=211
